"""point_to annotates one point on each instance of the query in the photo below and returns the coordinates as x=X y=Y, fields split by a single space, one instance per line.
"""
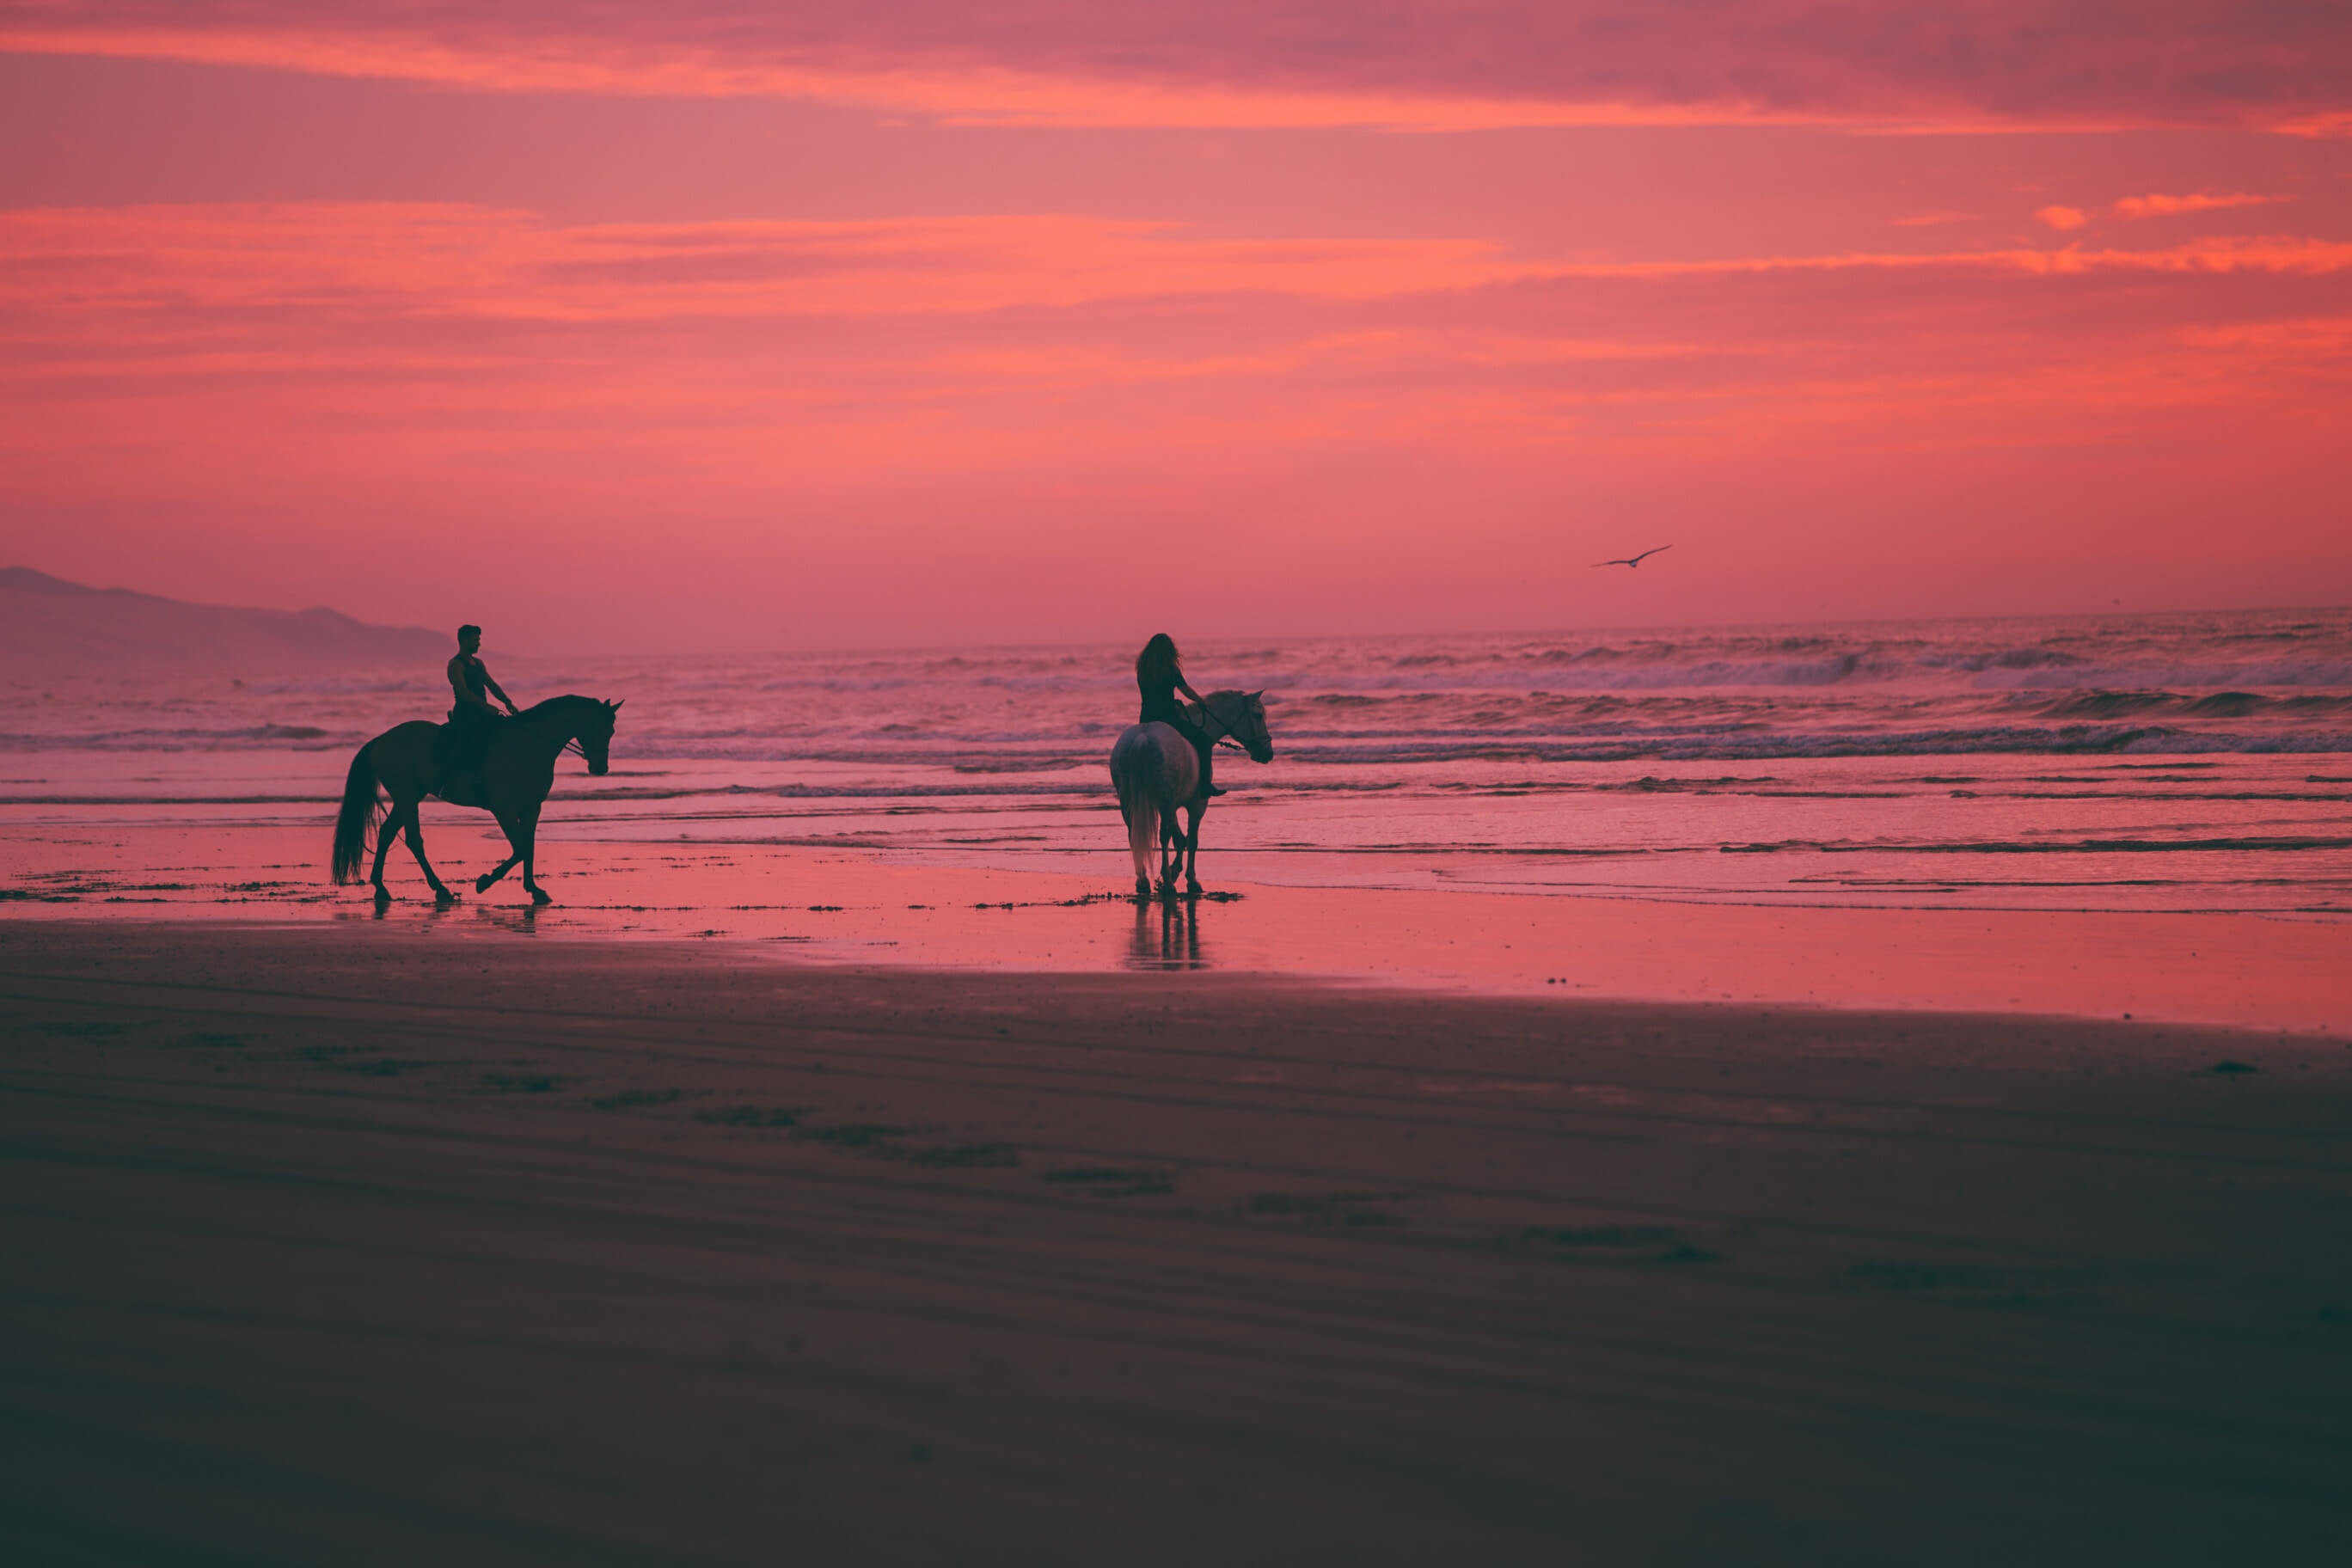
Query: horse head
x=1243 y=716
x=595 y=733
x=1257 y=738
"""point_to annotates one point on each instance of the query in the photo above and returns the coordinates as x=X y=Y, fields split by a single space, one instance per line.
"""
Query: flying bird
x=1633 y=560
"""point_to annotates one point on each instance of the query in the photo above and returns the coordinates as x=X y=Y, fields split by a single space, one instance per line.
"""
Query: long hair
x=1159 y=663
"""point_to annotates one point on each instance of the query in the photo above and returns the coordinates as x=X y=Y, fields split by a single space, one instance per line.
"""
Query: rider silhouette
x=465 y=745
x=1159 y=674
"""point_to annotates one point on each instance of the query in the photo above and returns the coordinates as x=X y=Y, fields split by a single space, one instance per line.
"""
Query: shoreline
x=562 y=1252
x=2285 y=973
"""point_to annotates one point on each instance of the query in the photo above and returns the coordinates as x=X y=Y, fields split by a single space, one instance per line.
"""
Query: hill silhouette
x=49 y=626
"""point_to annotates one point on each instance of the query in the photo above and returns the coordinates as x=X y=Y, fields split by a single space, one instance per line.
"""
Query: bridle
x=1226 y=739
x=573 y=746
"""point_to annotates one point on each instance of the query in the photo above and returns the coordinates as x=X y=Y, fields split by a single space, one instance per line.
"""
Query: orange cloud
x=469 y=259
x=1966 y=64
x=2167 y=206
x=316 y=378
x=2061 y=218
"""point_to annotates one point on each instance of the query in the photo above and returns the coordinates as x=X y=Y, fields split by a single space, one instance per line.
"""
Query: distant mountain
x=51 y=626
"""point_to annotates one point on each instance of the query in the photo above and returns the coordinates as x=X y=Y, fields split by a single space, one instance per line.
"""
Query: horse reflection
x=522 y=920
x=1167 y=935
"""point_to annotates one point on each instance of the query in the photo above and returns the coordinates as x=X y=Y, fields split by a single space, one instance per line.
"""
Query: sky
x=737 y=324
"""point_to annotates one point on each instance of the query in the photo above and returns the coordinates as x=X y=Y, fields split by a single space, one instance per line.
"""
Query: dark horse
x=511 y=785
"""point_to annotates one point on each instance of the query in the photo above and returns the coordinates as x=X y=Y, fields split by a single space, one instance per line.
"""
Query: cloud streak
x=1431 y=64
x=937 y=343
x=797 y=408
x=2174 y=206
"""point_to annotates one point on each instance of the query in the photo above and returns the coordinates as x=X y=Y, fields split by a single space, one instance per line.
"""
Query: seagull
x=1633 y=560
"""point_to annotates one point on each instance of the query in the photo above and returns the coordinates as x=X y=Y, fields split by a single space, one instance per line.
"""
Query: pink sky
x=734 y=325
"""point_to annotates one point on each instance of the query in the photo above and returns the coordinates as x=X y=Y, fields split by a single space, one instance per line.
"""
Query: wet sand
x=352 y=1245
x=850 y=906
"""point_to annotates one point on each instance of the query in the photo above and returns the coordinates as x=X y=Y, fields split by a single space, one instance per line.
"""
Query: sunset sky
x=719 y=324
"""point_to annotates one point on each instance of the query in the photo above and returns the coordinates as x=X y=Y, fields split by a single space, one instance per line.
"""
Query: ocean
x=2176 y=763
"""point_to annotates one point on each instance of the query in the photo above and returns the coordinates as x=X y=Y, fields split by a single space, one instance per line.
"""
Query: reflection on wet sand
x=1167 y=935
x=844 y=906
x=520 y=919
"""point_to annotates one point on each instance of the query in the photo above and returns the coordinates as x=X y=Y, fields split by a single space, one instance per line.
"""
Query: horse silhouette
x=1157 y=773
x=512 y=785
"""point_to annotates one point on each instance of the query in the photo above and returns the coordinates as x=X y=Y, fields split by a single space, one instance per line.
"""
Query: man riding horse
x=505 y=766
x=463 y=747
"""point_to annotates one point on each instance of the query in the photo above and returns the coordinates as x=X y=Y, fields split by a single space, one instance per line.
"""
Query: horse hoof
x=481 y=884
x=383 y=895
x=541 y=896
x=444 y=896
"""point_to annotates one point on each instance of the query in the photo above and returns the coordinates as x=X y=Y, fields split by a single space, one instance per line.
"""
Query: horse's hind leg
x=413 y=830
x=1171 y=850
x=1139 y=844
x=385 y=832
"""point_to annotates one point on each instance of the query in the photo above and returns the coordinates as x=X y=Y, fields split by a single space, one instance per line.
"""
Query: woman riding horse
x=1160 y=675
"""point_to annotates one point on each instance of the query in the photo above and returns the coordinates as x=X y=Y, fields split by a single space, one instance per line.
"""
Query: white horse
x=1156 y=770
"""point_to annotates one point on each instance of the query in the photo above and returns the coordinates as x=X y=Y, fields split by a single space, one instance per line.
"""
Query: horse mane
x=568 y=700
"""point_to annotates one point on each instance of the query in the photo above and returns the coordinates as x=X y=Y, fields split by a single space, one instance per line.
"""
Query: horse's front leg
x=413 y=830
x=1192 y=850
x=538 y=895
x=514 y=842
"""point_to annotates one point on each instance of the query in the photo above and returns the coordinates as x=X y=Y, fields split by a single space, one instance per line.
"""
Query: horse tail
x=358 y=817
x=1136 y=802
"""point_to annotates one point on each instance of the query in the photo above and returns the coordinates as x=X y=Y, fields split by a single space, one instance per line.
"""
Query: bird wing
x=1659 y=551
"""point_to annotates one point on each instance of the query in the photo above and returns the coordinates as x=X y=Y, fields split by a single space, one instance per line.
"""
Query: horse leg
x=538 y=895
x=1171 y=850
x=514 y=842
x=385 y=832
x=1135 y=815
x=413 y=830
x=1192 y=849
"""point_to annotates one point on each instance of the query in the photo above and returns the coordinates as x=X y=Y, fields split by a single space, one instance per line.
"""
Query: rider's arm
x=1185 y=687
x=500 y=692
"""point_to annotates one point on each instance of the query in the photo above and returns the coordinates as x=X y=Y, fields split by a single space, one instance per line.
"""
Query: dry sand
x=326 y=1247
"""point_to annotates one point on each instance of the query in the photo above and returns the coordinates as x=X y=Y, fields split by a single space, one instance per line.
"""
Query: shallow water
x=2190 y=762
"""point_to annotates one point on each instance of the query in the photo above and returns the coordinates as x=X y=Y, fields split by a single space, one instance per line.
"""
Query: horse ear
x=616 y=707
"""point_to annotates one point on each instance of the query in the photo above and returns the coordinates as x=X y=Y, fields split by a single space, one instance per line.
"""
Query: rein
x=1226 y=739
x=571 y=743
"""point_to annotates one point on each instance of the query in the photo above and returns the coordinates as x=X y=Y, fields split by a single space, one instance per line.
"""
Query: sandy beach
x=1732 y=625
x=363 y=1243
